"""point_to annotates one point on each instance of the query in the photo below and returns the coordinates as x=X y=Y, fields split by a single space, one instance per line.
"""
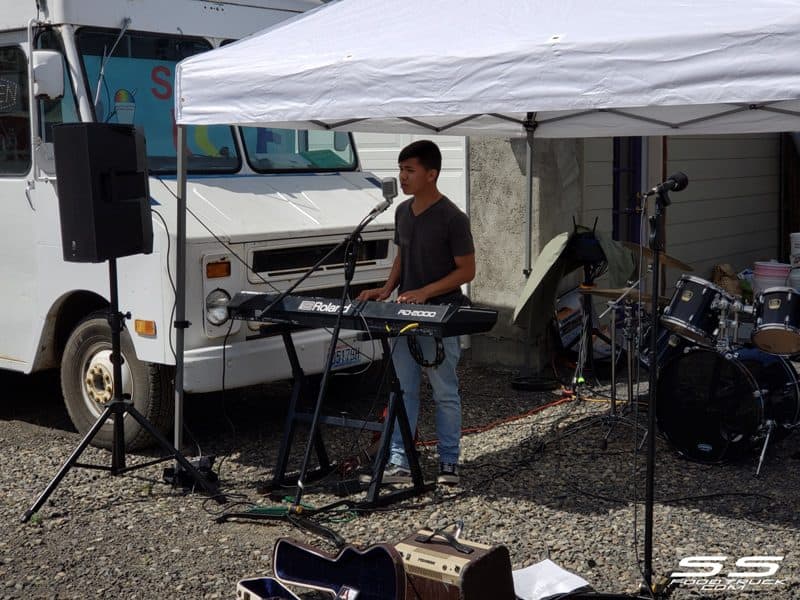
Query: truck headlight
x=217 y=307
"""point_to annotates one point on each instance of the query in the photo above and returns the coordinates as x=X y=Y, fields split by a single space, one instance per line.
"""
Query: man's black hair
x=426 y=152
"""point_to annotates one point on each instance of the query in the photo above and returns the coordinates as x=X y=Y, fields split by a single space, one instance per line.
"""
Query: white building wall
x=727 y=214
x=378 y=153
x=598 y=182
x=729 y=211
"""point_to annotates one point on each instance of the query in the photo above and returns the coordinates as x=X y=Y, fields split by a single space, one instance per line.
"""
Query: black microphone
x=674 y=183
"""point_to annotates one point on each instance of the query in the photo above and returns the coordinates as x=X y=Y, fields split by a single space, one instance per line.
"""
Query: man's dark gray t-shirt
x=428 y=242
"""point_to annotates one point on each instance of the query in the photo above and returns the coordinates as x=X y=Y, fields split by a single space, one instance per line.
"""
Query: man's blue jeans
x=444 y=382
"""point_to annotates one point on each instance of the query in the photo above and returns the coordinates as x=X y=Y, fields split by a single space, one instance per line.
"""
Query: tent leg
x=529 y=211
x=180 y=287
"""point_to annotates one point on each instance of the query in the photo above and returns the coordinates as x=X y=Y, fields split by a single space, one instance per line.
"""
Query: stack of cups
x=769 y=274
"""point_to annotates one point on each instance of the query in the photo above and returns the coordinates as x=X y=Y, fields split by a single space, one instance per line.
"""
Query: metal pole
x=662 y=201
x=529 y=211
x=180 y=286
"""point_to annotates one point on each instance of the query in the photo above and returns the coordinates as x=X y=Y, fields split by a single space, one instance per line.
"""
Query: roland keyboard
x=394 y=318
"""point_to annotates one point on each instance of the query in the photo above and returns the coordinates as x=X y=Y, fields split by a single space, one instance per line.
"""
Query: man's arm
x=463 y=273
x=382 y=293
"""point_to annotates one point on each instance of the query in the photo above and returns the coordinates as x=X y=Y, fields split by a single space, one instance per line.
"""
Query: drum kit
x=720 y=391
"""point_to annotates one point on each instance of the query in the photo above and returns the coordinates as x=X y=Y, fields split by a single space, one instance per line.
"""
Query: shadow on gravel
x=577 y=473
x=34 y=399
x=580 y=473
x=522 y=459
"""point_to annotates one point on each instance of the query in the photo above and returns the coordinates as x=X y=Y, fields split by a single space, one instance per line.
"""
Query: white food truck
x=264 y=205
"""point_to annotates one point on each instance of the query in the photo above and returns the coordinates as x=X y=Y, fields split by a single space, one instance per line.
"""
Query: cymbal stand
x=613 y=416
x=629 y=329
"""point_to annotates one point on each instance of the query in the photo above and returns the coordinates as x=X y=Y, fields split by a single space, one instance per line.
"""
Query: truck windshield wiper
x=100 y=78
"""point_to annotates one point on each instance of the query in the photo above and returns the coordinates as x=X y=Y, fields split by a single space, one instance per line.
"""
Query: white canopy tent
x=466 y=67
x=535 y=68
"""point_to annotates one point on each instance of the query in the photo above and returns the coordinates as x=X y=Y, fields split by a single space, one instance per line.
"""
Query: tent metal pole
x=180 y=285
x=529 y=210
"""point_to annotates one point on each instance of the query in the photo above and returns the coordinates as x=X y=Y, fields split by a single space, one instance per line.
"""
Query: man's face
x=414 y=177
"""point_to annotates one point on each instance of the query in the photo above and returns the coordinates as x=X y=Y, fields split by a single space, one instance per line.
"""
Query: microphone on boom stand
x=675 y=183
x=298 y=514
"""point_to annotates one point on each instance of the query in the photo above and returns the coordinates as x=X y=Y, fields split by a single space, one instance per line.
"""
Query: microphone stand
x=297 y=514
x=656 y=244
x=350 y=257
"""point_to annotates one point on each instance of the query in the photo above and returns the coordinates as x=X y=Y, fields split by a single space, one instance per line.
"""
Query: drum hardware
x=723 y=343
x=630 y=331
x=770 y=426
x=727 y=334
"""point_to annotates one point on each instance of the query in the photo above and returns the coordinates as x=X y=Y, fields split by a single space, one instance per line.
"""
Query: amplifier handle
x=449 y=538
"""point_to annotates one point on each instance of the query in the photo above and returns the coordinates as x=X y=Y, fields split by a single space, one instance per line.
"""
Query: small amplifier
x=440 y=567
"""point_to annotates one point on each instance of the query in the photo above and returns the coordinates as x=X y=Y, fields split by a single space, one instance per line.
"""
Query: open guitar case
x=375 y=573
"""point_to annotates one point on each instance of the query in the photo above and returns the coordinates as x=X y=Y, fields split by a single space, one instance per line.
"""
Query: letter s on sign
x=714 y=565
x=162 y=76
x=768 y=563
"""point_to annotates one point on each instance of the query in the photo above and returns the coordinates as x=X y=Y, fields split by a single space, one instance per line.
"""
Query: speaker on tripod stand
x=104 y=204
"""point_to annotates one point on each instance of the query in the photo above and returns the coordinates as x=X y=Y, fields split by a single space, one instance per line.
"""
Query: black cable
x=218 y=239
x=171 y=281
x=222 y=397
x=416 y=352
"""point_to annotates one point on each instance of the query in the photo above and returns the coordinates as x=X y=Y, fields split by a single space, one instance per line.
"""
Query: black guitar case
x=262 y=588
x=375 y=573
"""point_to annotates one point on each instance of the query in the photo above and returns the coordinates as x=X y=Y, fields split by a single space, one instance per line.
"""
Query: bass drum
x=711 y=405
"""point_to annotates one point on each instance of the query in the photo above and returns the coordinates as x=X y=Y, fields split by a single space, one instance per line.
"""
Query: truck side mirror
x=48 y=74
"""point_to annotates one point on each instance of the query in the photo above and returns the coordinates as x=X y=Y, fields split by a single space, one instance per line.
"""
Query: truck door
x=17 y=215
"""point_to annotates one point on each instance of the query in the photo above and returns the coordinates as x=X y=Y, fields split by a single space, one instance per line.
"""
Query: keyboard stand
x=396 y=412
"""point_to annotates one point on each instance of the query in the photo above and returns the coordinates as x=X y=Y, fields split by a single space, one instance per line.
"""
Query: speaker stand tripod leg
x=73 y=458
x=116 y=409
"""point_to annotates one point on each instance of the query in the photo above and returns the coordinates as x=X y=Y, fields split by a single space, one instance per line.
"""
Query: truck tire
x=87 y=384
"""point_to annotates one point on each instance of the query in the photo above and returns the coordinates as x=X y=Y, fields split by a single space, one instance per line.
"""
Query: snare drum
x=692 y=312
x=777 y=321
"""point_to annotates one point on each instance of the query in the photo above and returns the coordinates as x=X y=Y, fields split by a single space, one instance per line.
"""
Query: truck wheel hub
x=99 y=380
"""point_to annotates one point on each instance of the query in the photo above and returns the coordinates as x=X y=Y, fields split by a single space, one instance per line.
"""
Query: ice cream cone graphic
x=124 y=106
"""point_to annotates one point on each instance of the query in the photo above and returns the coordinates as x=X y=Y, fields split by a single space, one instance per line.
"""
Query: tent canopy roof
x=572 y=68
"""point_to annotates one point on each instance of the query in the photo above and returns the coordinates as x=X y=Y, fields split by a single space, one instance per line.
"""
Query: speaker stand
x=119 y=406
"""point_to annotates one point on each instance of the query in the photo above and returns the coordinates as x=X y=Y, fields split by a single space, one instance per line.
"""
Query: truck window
x=269 y=150
x=61 y=110
x=136 y=87
x=15 y=133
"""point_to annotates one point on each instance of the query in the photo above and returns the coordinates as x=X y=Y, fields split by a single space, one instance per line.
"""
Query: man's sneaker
x=396 y=474
x=448 y=474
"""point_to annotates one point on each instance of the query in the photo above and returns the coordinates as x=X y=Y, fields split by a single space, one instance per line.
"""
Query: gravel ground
x=569 y=497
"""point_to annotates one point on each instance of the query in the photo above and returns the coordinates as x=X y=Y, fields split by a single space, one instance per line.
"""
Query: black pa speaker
x=103 y=191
